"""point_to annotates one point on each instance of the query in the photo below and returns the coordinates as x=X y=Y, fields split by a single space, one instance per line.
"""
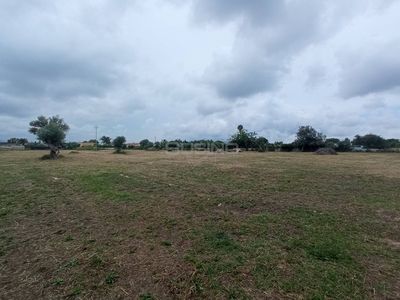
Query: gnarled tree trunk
x=54 y=152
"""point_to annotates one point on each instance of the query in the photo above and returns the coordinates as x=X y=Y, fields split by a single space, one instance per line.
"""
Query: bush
x=325 y=151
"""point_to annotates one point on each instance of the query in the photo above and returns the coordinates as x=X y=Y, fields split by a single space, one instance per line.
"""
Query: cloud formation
x=374 y=72
x=197 y=69
x=270 y=34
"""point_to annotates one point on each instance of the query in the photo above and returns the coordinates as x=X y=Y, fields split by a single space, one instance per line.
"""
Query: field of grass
x=156 y=225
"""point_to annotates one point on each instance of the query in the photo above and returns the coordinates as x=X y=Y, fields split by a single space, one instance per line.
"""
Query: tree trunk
x=54 y=152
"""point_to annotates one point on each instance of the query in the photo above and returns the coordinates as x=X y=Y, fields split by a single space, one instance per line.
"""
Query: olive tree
x=119 y=142
x=51 y=131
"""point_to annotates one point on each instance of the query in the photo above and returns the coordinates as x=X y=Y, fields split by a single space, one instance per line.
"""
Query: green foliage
x=166 y=243
x=36 y=146
x=119 y=142
x=332 y=140
x=96 y=261
x=147 y=296
x=57 y=281
x=328 y=250
x=111 y=277
x=72 y=145
x=18 y=141
x=220 y=240
x=261 y=144
x=105 y=140
x=287 y=147
x=42 y=122
x=157 y=145
x=308 y=139
x=393 y=143
x=51 y=131
x=243 y=138
x=370 y=141
x=277 y=146
x=75 y=291
x=72 y=263
x=146 y=144
x=344 y=145
x=51 y=134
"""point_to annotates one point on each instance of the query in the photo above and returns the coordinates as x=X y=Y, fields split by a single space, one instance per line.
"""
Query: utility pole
x=96 y=134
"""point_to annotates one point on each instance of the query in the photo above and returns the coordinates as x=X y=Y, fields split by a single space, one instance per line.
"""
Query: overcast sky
x=197 y=69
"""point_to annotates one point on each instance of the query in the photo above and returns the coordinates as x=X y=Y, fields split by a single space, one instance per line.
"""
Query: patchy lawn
x=156 y=225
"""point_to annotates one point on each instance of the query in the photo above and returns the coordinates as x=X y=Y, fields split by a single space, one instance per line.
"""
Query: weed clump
x=111 y=277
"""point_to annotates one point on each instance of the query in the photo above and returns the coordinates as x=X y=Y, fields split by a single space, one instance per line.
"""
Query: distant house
x=133 y=145
x=82 y=145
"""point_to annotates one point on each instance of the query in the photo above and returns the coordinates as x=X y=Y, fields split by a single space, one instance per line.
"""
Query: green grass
x=72 y=263
x=57 y=281
x=147 y=296
x=245 y=226
x=166 y=243
x=111 y=277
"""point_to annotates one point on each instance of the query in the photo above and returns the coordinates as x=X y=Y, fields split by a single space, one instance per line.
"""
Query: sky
x=169 y=69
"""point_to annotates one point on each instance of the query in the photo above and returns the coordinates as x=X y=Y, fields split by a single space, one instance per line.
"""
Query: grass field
x=152 y=225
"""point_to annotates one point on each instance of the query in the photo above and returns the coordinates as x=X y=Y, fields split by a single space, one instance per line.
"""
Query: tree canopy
x=370 y=141
x=308 y=139
x=105 y=140
x=243 y=138
x=119 y=142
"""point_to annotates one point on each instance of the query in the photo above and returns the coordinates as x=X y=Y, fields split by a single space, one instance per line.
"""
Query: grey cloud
x=50 y=55
x=271 y=33
x=20 y=7
x=373 y=73
x=33 y=73
x=205 y=109
x=243 y=78
x=15 y=107
x=315 y=75
x=257 y=12
x=375 y=103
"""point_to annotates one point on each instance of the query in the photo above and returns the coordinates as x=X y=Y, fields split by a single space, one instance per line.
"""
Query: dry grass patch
x=199 y=226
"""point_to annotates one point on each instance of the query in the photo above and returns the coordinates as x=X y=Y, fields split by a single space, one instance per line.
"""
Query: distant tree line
x=51 y=133
x=308 y=139
x=18 y=141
